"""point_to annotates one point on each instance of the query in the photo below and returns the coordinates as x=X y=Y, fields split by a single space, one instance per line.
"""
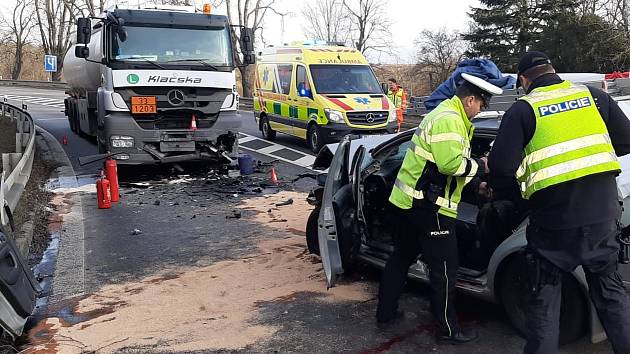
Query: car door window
x=285 y=73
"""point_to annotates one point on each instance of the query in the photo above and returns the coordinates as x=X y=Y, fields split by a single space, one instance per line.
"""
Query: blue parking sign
x=50 y=63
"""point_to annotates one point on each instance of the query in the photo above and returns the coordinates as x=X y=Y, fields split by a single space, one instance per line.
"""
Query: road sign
x=50 y=63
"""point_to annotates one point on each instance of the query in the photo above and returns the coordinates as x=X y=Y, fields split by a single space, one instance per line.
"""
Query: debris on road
x=136 y=232
x=236 y=214
x=220 y=302
x=286 y=202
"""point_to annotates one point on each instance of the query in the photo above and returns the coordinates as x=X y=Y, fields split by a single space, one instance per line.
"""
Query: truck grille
x=367 y=117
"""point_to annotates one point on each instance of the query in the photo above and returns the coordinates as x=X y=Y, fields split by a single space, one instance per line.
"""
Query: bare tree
x=245 y=13
x=327 y=20
x=80 y=8
x=19 y=26
x=439 y=52
x=55 y=26
x=370 y=26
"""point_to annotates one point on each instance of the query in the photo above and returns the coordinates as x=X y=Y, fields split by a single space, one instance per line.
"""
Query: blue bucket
x=246 y=164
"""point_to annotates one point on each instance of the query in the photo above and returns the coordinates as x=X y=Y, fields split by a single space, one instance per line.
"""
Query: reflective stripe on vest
x=442 y=202
x=561 y=148
x=570 y=141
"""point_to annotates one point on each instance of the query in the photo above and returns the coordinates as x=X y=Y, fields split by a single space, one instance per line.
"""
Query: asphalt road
x=185 y=224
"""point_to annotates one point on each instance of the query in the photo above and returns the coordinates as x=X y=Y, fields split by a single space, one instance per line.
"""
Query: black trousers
x=420 y=230
x=595 y=248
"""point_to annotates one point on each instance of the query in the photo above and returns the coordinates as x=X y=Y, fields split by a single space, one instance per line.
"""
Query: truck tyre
x=314 y=138
x=265 y=128
x=573 y=311
x=312 y=238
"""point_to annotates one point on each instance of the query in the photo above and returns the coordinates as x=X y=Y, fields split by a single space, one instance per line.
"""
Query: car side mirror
x=84 y=30
x=303 y=91
x=384 y=87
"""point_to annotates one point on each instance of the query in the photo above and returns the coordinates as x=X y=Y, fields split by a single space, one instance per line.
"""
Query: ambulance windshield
x=344 y=79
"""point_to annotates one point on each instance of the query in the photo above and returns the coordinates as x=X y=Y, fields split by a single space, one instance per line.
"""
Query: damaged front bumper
x=218 y=143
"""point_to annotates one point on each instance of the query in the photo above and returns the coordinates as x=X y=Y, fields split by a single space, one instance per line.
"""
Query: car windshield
x=344 y=79
x=175 y=46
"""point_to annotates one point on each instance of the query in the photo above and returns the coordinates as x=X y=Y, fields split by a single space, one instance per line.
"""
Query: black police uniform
x=573 y=223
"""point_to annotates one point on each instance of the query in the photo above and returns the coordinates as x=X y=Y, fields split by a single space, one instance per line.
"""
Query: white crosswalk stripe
x=43 y=101
x=276 y=151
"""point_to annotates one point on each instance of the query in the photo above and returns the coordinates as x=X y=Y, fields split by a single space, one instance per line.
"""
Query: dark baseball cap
x=530 y=60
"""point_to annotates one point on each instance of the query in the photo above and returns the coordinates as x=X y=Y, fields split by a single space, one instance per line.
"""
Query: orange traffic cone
x=64 y=140
x=274 y=177
x=193 y=123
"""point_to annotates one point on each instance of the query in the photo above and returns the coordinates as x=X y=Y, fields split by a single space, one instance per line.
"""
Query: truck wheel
x=265 y=128
x=314 y=138
x=312 y=241
x=573 y=311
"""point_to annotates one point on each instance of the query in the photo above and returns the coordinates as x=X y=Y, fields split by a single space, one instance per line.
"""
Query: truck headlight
x=392 y=115
x=334 y=116
x=121 y=141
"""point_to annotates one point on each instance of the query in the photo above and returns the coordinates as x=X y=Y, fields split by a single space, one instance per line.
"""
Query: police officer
x=561 y=141
x=428 y=187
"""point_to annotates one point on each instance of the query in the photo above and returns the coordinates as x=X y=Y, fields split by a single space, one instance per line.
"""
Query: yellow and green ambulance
x=319 y=93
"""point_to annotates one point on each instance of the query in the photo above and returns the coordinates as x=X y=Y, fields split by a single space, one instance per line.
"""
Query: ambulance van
x=319 y=93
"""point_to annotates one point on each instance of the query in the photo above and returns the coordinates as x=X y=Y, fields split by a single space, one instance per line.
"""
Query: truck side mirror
x=247 y=40
x=120 y=30
x=81 y=51
x=247 y=45
x=384 y=87
x=84 y=30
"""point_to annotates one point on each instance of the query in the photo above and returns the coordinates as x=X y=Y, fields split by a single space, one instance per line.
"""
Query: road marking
x=42 y=119
x=276 y=151
x=42 y=101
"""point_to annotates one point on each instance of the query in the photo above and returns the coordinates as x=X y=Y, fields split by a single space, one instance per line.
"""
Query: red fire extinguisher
x=111 y=171
x=102 y=192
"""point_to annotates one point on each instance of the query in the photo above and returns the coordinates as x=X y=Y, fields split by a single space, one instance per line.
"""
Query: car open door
x=328 y=224
x=18 y=288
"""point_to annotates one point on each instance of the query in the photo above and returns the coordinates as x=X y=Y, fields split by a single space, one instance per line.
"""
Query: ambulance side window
x=285 y=72
x=302 y=85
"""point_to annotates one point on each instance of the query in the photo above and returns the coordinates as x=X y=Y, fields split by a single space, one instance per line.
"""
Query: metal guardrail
x=16 y=167
x=56 y=85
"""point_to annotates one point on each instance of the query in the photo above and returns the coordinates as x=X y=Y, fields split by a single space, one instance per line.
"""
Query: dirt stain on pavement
x=208 y=308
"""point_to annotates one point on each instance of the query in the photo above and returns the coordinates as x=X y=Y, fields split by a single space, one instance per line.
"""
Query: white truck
x=156 y=85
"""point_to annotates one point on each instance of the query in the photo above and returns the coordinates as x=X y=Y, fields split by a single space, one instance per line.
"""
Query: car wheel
x=265 y=128
x=312 y=238
x=315 y=140
x=573 y=311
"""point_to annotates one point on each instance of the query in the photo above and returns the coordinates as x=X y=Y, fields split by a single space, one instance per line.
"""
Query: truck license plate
x=143 y=105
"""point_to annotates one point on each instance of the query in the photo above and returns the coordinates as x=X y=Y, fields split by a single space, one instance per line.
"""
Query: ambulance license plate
x=143 y=105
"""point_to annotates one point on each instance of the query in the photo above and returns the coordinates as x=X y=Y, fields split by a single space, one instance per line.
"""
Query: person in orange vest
x=398 y=96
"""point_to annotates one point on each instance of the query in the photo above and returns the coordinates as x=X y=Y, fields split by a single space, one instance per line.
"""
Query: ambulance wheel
x=265 y=128
x=314 y=138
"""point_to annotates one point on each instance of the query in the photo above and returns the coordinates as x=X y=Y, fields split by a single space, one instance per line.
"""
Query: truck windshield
x=210 y=48
x=344 y=79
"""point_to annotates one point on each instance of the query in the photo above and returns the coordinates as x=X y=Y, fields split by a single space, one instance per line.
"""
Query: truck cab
x=155 y=85
x=319 y=93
